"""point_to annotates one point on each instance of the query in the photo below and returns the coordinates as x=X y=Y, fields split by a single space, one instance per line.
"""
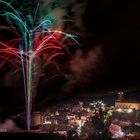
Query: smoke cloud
x=8 y=125
x=82 y=67
x=77 y=12
x=55 y=9
x=70 y=10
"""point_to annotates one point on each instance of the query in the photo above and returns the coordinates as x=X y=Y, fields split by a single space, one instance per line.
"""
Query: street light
x=119 y=110
x=129 y=110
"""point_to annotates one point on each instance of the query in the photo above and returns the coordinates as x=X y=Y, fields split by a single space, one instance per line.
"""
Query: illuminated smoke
x=82 y=68
x=76 y=10
x=56 y=9
x=8 y=125
x=69 y=12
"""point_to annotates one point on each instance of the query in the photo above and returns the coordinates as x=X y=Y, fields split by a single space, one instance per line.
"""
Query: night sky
x=116 y=26
x=108 y=58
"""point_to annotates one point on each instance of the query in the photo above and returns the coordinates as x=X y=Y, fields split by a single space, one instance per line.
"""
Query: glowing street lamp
x=119 y=110
x=129 y=110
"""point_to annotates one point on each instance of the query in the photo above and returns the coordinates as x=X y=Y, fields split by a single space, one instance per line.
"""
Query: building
x=127 y=104
x=36 y=119
x=122 y=104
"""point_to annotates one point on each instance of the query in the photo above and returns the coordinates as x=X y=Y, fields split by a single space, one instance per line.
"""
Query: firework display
x=36 y=37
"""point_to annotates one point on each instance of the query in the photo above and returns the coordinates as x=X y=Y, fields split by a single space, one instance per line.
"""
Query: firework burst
x=35 y=41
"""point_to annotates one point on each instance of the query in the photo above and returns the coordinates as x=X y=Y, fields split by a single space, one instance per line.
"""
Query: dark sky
x=114 y=28
x=116 y=25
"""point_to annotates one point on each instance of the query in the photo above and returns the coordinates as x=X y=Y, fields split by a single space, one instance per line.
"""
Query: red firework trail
x=49 y=45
